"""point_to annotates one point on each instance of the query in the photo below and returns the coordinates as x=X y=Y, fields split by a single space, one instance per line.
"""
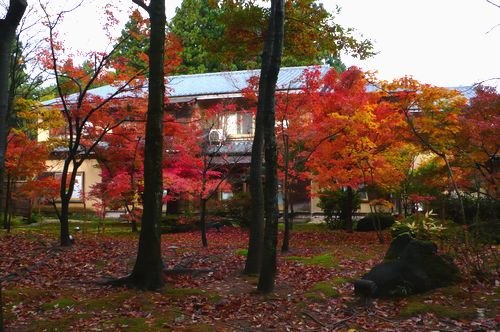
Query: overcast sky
x=442 y=42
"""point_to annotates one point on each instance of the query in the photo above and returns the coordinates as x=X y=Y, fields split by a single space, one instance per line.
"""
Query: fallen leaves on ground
x=51 y=288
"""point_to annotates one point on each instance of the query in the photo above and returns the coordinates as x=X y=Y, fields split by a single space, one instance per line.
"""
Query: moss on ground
x=14 y=296
x=131 y=324
x=183 y=292
x=242 y=252
x=63 y=302
x=108 y=302
x=62 y=324
x=324 y=290
x=325 y=260
x=416 y=308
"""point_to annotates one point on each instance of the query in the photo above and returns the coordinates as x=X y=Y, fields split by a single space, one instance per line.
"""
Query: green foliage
x=367 y=223
x=228 y=35
x=196 y=22
x=334 y=204
x=133 y=43
x=422 y=227
x=238 y=209
x=481 y=215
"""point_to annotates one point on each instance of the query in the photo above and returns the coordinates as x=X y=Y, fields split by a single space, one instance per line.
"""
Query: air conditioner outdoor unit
x=216 y=136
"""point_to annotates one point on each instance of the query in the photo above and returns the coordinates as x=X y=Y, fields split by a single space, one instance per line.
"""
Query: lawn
x=59 y=289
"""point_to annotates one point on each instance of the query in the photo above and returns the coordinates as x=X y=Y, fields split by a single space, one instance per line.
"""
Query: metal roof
x=183 y=88
x=187 y=87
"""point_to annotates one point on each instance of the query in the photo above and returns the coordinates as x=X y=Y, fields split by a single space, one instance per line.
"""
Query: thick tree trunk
x=147 y=272
x=256 y=236
x=203 y=222
x=268 y=268
x=8 y=27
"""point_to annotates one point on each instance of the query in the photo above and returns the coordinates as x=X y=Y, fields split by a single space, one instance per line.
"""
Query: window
x=79 y=189
x=240 y=123
x=245 y=123
x=225 y=195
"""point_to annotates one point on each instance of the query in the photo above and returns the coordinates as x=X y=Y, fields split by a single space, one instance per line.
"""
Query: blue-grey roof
x=186 y=87
x=183 y=88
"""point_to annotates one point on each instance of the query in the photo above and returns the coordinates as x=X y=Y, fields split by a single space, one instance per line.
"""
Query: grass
x=325 y=260
x=113 y=227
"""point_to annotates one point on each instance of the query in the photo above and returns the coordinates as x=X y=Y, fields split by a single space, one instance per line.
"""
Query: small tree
x=88 y=118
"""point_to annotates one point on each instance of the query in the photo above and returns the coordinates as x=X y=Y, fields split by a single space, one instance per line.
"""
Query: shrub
x=423 y=227
x=334 y=204
x=238 y=209
x=367 y=223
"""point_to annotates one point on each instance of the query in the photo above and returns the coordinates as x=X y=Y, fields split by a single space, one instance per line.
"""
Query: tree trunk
x=64 y=221
x=134 y=226
x=203 y=223
x=463 y=219
x=7 y=206
x=286 y=218
x=268 y=268
x=256 y=236
x=8 y=27
x=1 y=309
x=147 y=272
x=348 y=210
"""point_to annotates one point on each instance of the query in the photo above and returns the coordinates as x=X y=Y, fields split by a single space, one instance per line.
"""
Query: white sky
x=442 y=42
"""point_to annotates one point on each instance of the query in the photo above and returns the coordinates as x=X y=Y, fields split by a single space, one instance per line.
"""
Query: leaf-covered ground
x=57 y=289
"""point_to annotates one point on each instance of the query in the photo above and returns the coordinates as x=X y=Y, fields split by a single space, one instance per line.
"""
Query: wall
x=91 y=175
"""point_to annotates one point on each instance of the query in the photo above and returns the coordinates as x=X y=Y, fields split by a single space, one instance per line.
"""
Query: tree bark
x=8 y=27
x=348 y=210
x=203 y=222
x=268 y=268
x=147 y=272
x=286 y=218
x=1 y=309
x=256 y=236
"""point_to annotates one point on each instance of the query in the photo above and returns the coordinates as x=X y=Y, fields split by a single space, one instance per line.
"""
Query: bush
x=238 y=209
x=174 y=223
x=423 y=228
x=481 y=216
x=334 y=203
x=367 y=223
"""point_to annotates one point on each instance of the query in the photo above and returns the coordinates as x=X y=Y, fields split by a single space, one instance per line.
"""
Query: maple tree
x=432 y=115
x=479 y=136
x=88 y=118
x=25 y=159
x=121 y=160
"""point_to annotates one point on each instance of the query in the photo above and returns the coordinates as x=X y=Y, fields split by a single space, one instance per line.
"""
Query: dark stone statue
x=410 y=266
